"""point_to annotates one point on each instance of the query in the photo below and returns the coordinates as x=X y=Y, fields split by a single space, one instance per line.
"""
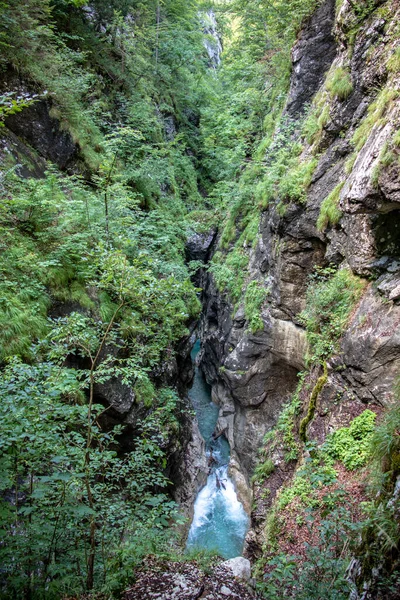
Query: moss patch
x=313 y=404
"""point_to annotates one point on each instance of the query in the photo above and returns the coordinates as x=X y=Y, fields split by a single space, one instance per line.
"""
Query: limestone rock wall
x=252 y=375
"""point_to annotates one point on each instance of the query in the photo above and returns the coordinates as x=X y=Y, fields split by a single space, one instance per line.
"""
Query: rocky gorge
x=254 y=374
x=292 y=288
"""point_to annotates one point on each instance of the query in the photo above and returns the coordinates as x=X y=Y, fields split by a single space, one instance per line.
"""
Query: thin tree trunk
x=92 y=535
x=107 y=185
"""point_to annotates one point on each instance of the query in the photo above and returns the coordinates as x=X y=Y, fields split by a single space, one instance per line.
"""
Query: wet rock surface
x=312 y=56
x=43 y=132
x=189 y=470
x=186 y=581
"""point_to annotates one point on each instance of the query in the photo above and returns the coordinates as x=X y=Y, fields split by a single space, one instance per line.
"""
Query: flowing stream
x=219 y=522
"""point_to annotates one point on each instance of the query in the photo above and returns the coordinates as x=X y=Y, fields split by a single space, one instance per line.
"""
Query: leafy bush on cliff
x=352 y=445
x=321 y=573
x=253 y=300
x=331 y=296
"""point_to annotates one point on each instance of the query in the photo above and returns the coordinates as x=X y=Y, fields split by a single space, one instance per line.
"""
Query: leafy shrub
x=380 y=540
x=263 y=470
x=393 y=63
x=74 y=496
x=299 y=489
x=293 y=186
x=323 y=569
x=331 y=297
x=145 y=391
x=385 y=443
x=253 y=300
x=313 y=475
x=287 y=419
x=315 y=121
x=352 y=445
x=229 y=272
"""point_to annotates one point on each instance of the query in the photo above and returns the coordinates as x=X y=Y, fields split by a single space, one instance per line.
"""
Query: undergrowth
x=331 y=296
x=254 y=298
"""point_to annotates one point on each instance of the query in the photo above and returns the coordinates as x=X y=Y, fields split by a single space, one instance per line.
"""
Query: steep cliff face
x=356 y=116
x=312 y=56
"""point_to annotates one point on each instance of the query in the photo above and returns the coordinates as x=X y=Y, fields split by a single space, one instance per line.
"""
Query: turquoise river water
x=219 y=521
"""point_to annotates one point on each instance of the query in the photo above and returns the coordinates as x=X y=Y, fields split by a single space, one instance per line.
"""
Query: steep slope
x=99 y=111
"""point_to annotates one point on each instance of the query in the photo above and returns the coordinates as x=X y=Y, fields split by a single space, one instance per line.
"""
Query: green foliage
x=107 y=250
x=287 y=421
x=230 y=272
x=294 y=185
x=380 y=532
x=63 y=482
x=317 y=118
x=352 y=445
x=393 y=63
x=385 y=444
x=49 y=251
x=250 y=154
x=329 y=213
x=263 y=470
x=309 y=478
x=376 y=116
x=144 y=390
x=254 y=298
x=339 y=83
x=331 y=296
x=286 y=178
x=10 y=104
x=323 y=565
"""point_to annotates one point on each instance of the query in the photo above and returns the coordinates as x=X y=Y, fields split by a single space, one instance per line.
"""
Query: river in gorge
x=220 y=522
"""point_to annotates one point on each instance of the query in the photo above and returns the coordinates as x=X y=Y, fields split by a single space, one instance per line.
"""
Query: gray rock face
x=253 y=374
x=199 y=245
x=250 y=373
x=190 y=471
x=312 y=56
x=371 y=349
x=212 y=39
x=35 y=125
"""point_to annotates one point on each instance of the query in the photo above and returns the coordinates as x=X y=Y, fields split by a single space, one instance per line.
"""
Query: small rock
x=239 y=566
x=394 y=294
x=226 y=591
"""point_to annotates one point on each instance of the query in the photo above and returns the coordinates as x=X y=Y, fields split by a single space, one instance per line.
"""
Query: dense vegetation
x=94 y=288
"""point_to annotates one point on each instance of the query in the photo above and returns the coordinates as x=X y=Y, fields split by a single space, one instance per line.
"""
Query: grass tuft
x=339 y=83
x=329 y=213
